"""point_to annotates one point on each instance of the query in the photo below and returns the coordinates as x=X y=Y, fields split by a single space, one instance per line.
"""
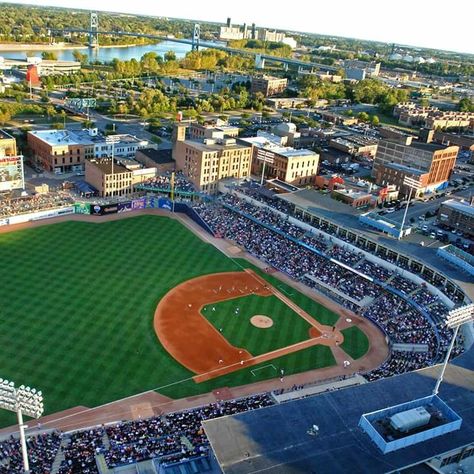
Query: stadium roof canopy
x=276 y=439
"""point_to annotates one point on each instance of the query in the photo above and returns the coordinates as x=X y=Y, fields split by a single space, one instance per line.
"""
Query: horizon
x=431 y=33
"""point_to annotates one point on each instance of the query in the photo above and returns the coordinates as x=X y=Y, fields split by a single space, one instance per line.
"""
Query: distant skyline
x=405 y=22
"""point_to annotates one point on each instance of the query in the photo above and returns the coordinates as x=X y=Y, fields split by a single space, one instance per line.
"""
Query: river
x=108 y=54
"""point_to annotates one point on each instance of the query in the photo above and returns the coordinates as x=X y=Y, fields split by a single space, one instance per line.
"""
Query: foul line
x=263 y=367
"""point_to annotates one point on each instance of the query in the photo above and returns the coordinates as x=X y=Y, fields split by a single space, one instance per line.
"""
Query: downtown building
x=431 y=165
x=208 y=158
x=65 y=151
x=298 y=167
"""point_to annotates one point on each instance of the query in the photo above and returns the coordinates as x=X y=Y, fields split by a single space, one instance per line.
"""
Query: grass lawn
x=288 y=328
x=77 y=307
x=315 y=357
x=356 y=343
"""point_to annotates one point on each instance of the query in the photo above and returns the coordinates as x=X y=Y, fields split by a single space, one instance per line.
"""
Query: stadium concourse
x=412 y=316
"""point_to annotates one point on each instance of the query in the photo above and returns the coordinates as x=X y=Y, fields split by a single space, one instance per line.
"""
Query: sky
x=424 y=23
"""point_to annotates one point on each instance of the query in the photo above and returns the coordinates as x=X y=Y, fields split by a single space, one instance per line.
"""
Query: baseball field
x=91 y=313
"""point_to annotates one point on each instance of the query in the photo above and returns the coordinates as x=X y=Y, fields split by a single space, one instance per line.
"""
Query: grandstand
x=318 y=433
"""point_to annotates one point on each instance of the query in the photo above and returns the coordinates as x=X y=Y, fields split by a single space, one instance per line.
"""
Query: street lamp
x=22 y=400
x=455 y=319
x=412 y=184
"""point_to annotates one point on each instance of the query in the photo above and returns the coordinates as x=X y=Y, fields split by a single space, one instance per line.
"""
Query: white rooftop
x=81 y=137
x=272 y=143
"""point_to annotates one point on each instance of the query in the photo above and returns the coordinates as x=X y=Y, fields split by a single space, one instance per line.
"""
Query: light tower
x=22 y=400
x=455 y=319
x=196 y=37
x=93 y=31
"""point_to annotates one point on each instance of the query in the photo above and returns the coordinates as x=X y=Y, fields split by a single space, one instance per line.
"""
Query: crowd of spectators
x=42 y=450
x=163 y=182
x=38 y=202
x=268 y=198
x=80 y=451
x=173 y=438
x=406 y=318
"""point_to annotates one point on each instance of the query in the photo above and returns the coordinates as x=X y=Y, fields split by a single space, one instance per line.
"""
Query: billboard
x=165 y=203
x=103 y=209
x=11 y=173
x=139 y=204
x=82 y=208
x=152 y=202
x=124 y=207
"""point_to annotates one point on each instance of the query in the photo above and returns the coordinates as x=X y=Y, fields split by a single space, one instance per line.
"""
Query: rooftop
x=463 y=207
x=428 y=146
x=81 y=137
x=228 y=144
x=105 y=165
x=160 y=157
x=279 y=439
x=266 y=141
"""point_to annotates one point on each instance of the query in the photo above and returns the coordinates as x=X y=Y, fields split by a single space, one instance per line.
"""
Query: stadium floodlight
x=412 y=184
x=22 y=400
x=455 y=319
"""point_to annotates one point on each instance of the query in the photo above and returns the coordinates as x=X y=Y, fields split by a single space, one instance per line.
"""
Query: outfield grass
x=355 y=343
x=77 y=307
x=288 y=328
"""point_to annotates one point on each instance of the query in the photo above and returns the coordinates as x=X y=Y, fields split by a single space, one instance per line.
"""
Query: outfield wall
x=38 y=215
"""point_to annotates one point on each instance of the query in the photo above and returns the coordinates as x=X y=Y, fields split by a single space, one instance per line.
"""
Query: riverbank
x=59 y=46
x=39 y=47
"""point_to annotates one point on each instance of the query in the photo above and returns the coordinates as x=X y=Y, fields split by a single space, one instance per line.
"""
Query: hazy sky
x=424 y=23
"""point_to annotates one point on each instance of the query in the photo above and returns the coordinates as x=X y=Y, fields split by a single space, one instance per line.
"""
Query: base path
x=196 y=344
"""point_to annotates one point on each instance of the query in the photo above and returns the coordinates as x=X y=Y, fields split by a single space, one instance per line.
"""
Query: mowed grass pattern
x=355 y=343
x=77 y=302
x=240 y=332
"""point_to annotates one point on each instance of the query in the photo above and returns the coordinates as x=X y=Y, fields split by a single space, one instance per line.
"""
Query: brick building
x=297 y=167
x=206 y=161
x=430 y=164
x=109 y=180
x=457 y=215
x=65 y=151
x=268 y=85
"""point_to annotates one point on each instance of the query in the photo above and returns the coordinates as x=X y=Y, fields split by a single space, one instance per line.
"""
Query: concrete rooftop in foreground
x=275 y=439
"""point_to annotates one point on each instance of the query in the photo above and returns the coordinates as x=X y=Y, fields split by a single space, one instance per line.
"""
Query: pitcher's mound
x=260 y=321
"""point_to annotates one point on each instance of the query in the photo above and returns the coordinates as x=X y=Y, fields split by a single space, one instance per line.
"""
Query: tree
x=363 y=116
x=51 y=112
x=466 y=105
x=49 y=55
x=80 y=57
x=170 y=56
x=4 y=117
x=424 y=102
x=375 y=120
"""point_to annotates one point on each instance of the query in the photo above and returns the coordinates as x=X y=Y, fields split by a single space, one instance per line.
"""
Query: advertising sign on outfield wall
x=139 y=204
x=35 y=216
x=124 y=207
x=152 y=202
x=165 y=203
x=82 y=208
x=103 y=209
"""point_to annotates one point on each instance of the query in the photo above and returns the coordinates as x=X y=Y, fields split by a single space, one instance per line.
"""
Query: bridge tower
x=259 y=62
x=196 y=37
x=93 y=31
